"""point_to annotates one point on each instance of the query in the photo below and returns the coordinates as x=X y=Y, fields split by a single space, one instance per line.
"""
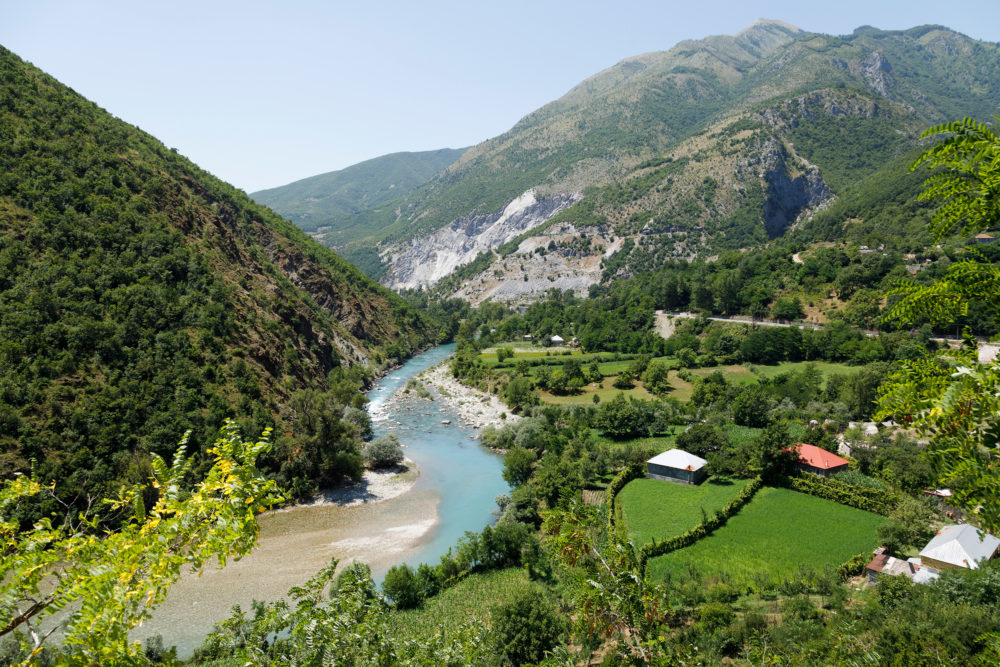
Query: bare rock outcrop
x=424 y=261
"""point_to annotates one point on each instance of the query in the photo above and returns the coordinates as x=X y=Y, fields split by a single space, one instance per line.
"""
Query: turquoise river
x=458 y=482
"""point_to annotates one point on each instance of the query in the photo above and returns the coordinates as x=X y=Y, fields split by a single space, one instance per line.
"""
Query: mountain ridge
x=833 y=106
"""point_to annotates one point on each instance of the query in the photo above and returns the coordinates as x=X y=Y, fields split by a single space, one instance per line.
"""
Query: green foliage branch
x=950 y=399
x=117 y=576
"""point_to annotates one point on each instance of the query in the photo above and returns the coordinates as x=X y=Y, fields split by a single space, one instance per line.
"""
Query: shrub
x=527 y=627
x=384 y=451
x=853 y=566
x=716 y=615
x=403 y=587
x=518 y=465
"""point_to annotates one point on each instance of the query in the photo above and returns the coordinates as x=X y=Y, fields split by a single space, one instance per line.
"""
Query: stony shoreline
x=475 y=408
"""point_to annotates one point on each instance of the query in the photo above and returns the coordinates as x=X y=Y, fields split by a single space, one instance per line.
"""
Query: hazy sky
x=265 y=93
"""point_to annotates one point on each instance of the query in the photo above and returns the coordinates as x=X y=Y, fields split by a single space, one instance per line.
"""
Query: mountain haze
x=141 y=297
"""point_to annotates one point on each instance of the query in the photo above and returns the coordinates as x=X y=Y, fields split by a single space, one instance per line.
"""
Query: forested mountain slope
x=339 y=199
x=140 y=297
x=719 y=143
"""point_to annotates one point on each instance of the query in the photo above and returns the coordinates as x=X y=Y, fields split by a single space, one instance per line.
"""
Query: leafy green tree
x=751 y=406
x=620 y=418
x=951 y=399
x=402 y=586
x=701 y=439
x=111 y=580
x=656 y=378
x=788 y=308
x=710 y=389
x=328 y=445
x=909 y=525
x=519 y=394
x=527 y=627
x=770 y=454
x=594 y=372
x=517 y=465
x=624 y=381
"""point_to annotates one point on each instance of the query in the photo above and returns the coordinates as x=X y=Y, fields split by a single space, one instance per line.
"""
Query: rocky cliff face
x=792 y=186
x=424 y=261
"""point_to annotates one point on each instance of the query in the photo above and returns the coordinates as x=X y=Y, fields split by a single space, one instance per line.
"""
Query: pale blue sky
x=264 y=93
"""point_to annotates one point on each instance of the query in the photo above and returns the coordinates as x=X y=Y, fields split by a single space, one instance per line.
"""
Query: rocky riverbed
x=477 y=409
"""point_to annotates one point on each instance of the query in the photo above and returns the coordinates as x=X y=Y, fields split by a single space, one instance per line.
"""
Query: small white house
x=557 y=340
x=959 y=546
x=676 y=465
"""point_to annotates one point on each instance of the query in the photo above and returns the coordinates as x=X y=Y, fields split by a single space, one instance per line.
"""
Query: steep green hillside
x=339 y=199
x=140 y=297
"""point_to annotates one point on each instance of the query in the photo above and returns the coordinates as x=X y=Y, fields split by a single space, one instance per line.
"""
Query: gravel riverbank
x=476 y=409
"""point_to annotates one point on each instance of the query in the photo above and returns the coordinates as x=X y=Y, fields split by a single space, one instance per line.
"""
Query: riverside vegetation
x=567 y=584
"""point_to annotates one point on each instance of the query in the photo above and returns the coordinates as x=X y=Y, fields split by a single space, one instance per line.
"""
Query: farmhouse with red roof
x=819 y=461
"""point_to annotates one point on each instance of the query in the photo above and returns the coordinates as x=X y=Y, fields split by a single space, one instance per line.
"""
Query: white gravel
x=475 y=408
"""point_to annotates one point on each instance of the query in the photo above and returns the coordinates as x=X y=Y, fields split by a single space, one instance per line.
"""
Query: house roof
x=818 y=457
x=984 y=236
x=557 y=338
x=961 y=545
x=889 y=565
x=678 y=458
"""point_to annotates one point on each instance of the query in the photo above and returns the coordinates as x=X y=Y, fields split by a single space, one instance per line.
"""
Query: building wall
x=938 y=565
x=820 y=471
x=674 y=474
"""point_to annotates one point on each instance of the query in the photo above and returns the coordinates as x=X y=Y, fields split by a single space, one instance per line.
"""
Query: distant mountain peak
x=765 y=24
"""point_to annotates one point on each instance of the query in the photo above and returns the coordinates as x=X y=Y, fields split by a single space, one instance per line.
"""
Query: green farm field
x=654 y=509
x=657 y=443
x=776 y=533
x=827 y=368
x=586 y=395
x=471 y=598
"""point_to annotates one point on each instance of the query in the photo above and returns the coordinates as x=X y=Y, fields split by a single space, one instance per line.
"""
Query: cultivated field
x=654 y=509
x=472 y=598
x=827 y=368
x=775 y=535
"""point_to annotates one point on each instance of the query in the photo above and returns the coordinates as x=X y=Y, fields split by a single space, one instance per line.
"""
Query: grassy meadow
x=654 y=509
x=775 y=535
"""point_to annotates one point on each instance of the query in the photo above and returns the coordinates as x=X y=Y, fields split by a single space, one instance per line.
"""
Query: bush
x=403 y=587
x=527 y=627
x=518 y=465
x=384 y=451
x=716 y=615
